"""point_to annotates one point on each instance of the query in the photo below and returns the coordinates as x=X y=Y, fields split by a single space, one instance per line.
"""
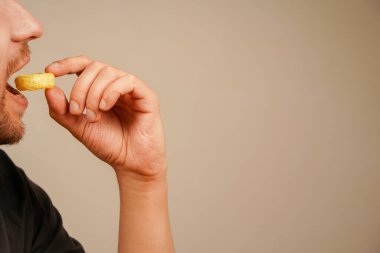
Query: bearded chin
x=11 y=129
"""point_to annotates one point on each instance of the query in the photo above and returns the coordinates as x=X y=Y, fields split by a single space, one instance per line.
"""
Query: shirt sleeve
x=49 y=233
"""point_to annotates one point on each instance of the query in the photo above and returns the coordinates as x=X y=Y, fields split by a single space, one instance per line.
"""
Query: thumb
x=59 y=111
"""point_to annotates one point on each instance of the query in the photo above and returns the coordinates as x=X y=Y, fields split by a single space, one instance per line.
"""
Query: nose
x=25 y=26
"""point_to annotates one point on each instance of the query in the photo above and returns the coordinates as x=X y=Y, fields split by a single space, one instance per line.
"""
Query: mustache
x=15 y=62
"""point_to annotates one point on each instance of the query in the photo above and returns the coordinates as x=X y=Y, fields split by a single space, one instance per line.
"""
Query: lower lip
x=19 y=98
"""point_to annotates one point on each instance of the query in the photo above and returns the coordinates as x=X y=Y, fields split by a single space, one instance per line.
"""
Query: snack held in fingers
x=35 y=81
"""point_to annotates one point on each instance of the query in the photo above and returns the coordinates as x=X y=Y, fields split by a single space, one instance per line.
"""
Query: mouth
x=21 y=63
x=16 y=96
x=13 y=90
x=14 y=93
x=14 y=65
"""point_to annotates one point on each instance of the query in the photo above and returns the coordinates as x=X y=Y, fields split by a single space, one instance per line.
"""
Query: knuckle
x=154 y=99
x=75 y=96
x=109 y=92
x=108 y=71
x=108 y=68
x=95 y=64
x=84 y=58
x=132 y=78
x=90 y=104
x=106 y=96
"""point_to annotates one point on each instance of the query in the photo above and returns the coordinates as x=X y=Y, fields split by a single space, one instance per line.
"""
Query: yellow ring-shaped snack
x=35 y=81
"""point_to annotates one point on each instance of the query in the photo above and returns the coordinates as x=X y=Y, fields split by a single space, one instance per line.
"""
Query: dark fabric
x=28 y=220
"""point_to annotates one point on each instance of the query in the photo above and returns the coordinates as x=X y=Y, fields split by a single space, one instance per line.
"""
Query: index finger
x=70 y=65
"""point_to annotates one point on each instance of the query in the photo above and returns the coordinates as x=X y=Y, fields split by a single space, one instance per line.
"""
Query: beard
x=11 y=128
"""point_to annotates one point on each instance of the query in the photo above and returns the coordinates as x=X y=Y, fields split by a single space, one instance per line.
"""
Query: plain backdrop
x=271 y=111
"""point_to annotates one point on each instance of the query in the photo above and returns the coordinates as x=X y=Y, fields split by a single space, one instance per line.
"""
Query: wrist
x=131 y=181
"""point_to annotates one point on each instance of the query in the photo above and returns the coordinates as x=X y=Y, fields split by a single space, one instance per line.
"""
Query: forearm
x=144 y=218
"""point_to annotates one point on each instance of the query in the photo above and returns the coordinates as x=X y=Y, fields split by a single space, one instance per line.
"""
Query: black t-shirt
x=28 y=220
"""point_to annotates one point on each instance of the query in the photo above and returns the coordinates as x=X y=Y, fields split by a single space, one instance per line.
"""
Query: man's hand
x=121 y=124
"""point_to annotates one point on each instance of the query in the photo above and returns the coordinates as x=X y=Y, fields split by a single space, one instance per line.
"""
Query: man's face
x=17 y=28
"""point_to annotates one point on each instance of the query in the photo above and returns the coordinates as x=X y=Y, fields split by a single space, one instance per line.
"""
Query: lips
x=17 y=97
x=22 y=60
x=13 y=90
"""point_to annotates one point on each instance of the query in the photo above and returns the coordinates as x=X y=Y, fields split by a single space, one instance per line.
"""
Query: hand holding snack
x=121 y=125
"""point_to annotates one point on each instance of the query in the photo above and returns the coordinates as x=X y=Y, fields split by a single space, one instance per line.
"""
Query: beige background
x=272 y=116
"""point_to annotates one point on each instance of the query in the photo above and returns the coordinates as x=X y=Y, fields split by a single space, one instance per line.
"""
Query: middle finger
x=81 y=87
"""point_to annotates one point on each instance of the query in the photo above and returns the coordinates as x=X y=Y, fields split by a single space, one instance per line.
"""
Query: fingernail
x=74 y=107
x=91 y=116
x=103 y=104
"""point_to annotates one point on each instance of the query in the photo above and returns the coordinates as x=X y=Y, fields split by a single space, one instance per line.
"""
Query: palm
x=104 y=144
x=124 y=138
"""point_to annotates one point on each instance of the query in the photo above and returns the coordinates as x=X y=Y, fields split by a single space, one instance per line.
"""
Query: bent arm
x=122 y=126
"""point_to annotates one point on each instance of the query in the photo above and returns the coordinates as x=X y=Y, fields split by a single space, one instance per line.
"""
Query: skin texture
x=121 y=125
x=14 y=53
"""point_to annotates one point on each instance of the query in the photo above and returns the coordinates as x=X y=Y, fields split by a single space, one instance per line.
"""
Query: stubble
x=11 y=127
